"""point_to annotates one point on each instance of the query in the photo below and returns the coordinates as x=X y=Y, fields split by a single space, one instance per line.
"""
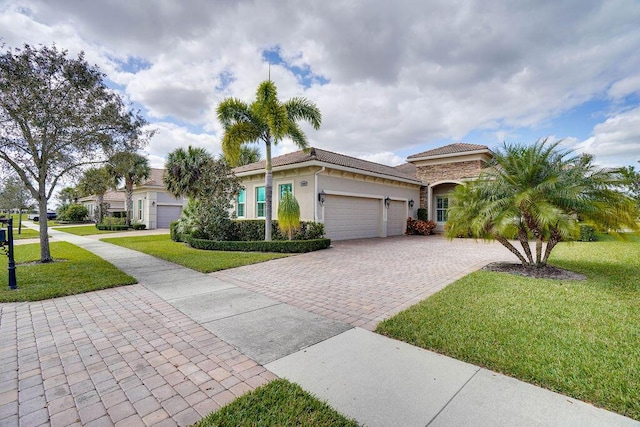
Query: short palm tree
x=133 y=169
x=288 y=214
x=539 y=192
x=267 y=120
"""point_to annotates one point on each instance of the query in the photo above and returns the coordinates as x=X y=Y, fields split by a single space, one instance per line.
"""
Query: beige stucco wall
x=151 y=199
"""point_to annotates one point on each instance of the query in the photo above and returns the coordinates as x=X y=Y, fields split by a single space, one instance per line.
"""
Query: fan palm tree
x=96 y=182
x=133 y=169
x=184 y=171
x=539 y=192
x=268 y=120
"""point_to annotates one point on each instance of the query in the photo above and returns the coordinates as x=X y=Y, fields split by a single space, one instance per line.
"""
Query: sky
x=390 y=78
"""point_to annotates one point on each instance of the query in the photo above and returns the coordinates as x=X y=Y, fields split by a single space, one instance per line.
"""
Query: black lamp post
x=13 y=284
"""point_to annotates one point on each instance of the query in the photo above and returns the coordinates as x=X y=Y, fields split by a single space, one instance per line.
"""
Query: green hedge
x=252 y=230
x=284 y=246
x=423 y=215
x=112 y=227
x=587 y=233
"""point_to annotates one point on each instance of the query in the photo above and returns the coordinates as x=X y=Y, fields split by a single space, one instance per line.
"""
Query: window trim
x=442 y=210
x=140 y=210
x=264 y=202
x=244 y=204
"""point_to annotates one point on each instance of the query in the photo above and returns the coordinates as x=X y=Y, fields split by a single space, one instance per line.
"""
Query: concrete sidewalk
x=374 y=379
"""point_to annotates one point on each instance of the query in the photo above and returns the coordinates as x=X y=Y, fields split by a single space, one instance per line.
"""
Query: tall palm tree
x=539 y=192
x=248 y=154
x=133 y=169
x=184 y=170
x=96 y=182
x=268 y=120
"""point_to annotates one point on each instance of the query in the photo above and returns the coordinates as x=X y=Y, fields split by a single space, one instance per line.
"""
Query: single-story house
x=153 y=205
x=355 y=198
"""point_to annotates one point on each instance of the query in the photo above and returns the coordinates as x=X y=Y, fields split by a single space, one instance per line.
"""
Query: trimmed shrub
x=74 y=212
x=587 y=233
x=173 y=232
x=417 y=226
x=422 y=214
x=250 y=230
x=113 y=224
x=282 y=246
x=138 y=226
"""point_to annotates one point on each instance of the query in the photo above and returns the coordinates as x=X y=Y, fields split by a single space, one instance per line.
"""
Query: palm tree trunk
x=268 y=190
x=524 y=241
x=553 y=241
x=129 y=201
x=539 y=251
x=507 y=244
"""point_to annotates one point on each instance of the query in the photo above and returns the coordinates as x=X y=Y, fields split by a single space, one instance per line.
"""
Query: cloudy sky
x=391 y=78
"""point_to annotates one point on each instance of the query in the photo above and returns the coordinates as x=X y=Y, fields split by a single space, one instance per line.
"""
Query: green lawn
x=76 y=271
x=26 y=233
x=279 y=403
x=84 y=230
x=580 y=338
x=162 y=246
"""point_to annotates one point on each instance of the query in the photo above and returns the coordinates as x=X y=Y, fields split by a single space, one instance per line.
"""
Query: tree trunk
x=45 y=251
x=100 y=214
x=524 y=241
x=128 y=201
x=539 y=251
x=268 y=190
x=19 y=220
x=553 y=241
x=512 y=249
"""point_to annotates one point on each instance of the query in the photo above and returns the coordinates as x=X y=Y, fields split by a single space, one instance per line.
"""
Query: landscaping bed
x=576 y=337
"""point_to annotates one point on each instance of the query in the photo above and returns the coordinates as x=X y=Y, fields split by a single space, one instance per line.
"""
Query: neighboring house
x=113 y=199
x=355 y=198
x=153 y=205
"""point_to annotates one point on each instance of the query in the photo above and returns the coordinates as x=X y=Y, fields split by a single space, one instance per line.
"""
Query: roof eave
x=443 y=156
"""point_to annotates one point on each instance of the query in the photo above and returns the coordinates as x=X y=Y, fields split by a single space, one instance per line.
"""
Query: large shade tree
x=539 y=192
x=266 y=120
x=131 y=169
x=57 y=115
x=96 y=182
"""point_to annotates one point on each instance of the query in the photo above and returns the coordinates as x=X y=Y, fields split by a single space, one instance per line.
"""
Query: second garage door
x=396 y=216
x=167 y=214
x=351 y=217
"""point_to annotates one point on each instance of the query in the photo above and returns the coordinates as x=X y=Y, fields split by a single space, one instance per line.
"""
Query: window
x=240 y=203
x=261 y=202
x=140 y=216
x=284 y=188
x=442 y=204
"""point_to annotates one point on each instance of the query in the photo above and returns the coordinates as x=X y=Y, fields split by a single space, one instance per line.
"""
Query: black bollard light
x=13 y=284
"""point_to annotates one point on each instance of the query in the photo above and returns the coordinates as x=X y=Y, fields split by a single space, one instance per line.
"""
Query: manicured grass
x=85 y=230
x=162 y=246
x=580 y=338
x=279 y=403
x=75 y=271
x=26 y=233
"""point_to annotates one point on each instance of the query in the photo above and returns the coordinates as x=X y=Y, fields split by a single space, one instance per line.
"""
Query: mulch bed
x=546 y=272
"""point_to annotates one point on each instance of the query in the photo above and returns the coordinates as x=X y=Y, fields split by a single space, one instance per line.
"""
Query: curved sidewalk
x=183 y=343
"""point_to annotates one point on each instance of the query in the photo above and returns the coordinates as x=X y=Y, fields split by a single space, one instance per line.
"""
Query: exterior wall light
x=322 y=197
x=411 y=204
x=387 y=201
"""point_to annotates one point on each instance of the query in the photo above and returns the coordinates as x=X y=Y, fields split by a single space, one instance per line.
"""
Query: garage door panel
x=396 y=216
x=351 y=217
x=167 y=214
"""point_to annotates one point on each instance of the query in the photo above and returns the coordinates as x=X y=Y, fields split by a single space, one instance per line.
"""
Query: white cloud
x=616 y=141
x=402 y=75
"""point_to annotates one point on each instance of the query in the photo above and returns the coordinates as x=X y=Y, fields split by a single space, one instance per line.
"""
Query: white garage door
x=351 y=217
x=166 y=214
x=396 y=216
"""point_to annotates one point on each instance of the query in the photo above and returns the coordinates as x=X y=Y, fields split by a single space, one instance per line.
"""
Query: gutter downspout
x=315 y=194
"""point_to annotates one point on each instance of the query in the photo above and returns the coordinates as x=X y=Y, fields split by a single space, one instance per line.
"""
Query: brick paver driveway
x=362 y=282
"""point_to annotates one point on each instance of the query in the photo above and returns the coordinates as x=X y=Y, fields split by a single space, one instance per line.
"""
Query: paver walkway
x=183 y=343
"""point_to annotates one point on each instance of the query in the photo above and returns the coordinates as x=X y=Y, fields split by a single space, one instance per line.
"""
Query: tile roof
x=408 y=169
x=324 y=156
x=155 y=179
x=458 y=147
